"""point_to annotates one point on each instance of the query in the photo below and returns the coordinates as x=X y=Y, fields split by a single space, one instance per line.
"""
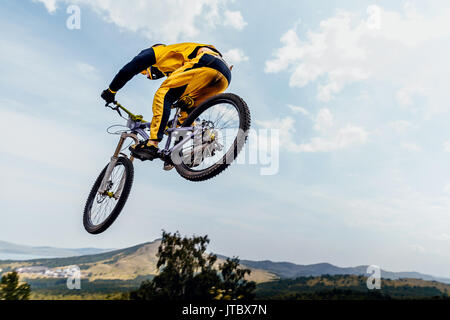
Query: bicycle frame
x=137 y=126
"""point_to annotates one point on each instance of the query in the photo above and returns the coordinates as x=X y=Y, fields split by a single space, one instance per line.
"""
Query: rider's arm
x=145 y=59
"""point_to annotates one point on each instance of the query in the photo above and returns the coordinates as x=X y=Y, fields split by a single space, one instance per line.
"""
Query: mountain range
x=140 y=260
x=7 y=249
x=291 y=270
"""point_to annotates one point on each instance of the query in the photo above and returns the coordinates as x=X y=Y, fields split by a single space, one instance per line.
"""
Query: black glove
x=108 y=96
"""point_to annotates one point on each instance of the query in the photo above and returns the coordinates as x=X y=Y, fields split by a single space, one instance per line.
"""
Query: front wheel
x=102 y=209
x=224 y=121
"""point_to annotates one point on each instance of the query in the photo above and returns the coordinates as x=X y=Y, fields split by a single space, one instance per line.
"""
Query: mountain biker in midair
x=194 y=73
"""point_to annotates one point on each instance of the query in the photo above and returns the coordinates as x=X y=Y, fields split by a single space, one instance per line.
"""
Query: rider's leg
x=208 y=82
x=165 y=96
x=179 y=83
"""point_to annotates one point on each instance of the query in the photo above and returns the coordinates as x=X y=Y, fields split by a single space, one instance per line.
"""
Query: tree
x=233 y=285
x=186 y=272
x=10 y=289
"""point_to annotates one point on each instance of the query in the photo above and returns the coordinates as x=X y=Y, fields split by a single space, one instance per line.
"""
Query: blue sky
x=358 y=90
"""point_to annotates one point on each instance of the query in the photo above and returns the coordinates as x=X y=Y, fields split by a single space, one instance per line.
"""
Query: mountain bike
x=200 y=148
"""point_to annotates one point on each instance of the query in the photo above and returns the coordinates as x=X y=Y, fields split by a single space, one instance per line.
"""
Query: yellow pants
x=198 y=83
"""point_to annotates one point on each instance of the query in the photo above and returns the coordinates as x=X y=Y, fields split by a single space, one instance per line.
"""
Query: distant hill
x=350 y=287
x=140 y=261
x=291 y=270
x=122 y=264
x=10 y=249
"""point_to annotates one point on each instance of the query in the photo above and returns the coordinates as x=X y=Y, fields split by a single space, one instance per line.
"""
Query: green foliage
x=58 y=286
x=233 y=285
x=341 y=287
x=334 y=294
x=188 y=273
x=10 y=289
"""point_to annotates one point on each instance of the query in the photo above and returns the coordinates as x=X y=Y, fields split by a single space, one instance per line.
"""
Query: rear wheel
x=225 y=121
x=101 y=210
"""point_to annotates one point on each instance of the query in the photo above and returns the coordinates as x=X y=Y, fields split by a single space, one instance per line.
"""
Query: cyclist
x=194 y=73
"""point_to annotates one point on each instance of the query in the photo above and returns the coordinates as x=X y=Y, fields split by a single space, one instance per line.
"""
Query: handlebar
x=131 y=115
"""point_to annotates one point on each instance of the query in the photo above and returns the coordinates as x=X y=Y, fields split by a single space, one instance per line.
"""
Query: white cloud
x=330 y=140
x=443 y=237
x=235 y=56
x=298 y=109
x=417 y=248
x=332 y=51
x=343 y=138
x=406 y=95
x=86 y=70
x=410 y=146
x=286 y=130
x=168 y=20
x=50 y=5
x=234 y=19
x=401 y=126
x=406 y=50
x=446 y=146
x=324 y=120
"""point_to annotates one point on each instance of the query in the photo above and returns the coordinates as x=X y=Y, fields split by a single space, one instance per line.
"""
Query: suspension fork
x=113 y=162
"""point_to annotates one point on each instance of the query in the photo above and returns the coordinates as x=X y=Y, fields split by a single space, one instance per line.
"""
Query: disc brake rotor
x=204 y=148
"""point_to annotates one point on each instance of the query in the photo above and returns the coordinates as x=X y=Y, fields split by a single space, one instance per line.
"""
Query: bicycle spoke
x=104 y=204
x=220 y=118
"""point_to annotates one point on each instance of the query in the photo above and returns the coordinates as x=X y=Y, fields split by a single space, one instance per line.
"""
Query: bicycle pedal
x=137 y=156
